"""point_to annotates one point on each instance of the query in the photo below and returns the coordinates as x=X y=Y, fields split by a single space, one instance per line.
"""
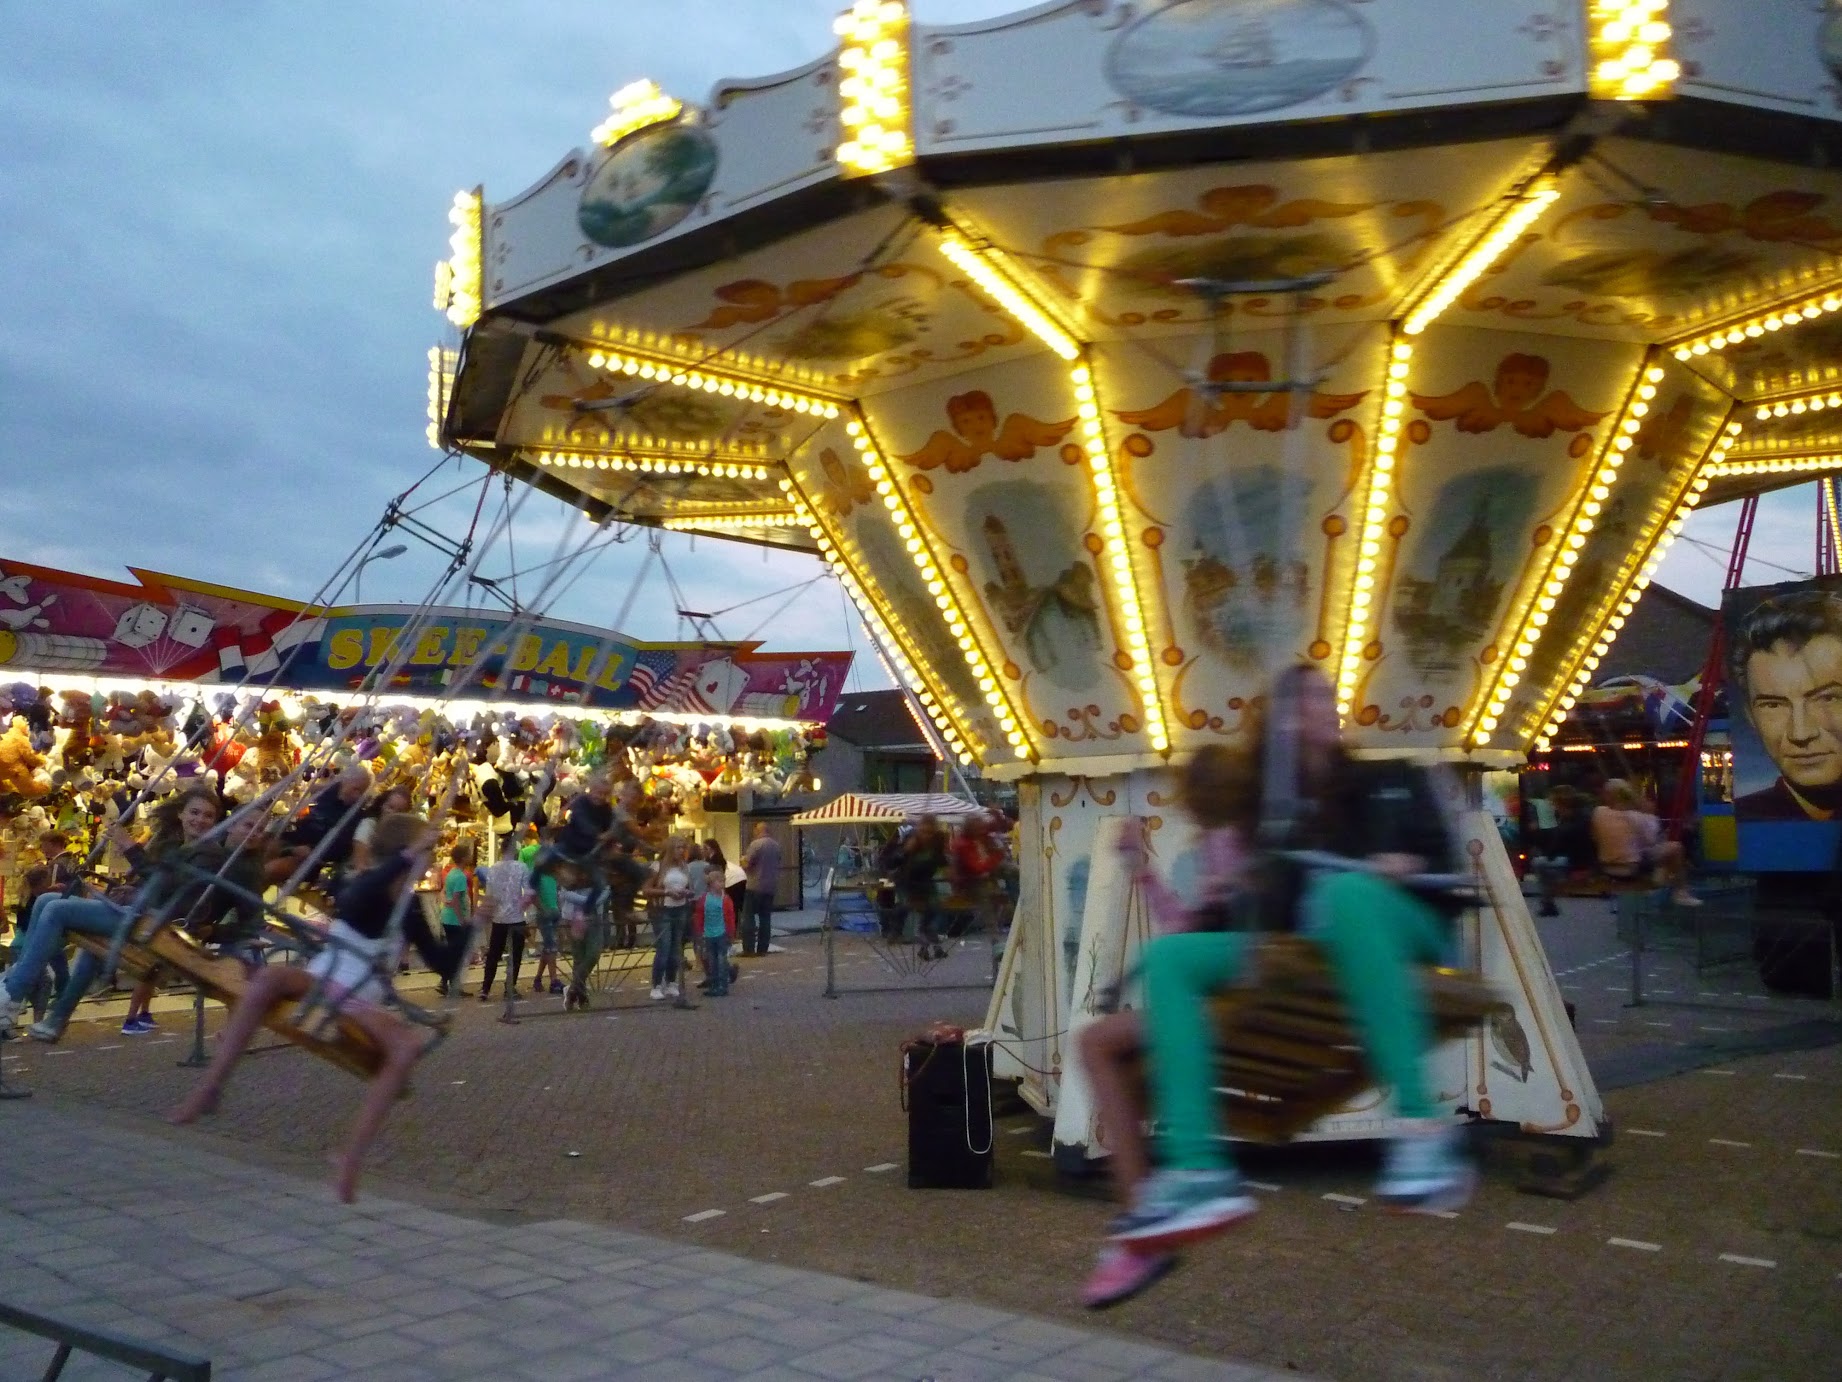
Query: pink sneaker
x=1120 y=1274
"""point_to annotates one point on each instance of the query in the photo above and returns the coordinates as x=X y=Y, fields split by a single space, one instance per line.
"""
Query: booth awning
x=887 y=808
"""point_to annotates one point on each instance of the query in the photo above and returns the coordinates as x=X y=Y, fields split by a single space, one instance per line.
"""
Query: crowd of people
x=1612 y=836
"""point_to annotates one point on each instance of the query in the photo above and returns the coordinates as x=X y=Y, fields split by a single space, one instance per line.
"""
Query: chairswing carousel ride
x=1114 y=355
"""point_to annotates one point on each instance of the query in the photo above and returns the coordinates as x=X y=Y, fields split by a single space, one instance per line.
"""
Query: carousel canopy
x=1113 y=354
x=888 y=808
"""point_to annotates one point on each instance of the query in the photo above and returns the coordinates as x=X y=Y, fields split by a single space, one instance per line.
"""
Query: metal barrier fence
x=1729 y=952
x=162 y=1365
x=858 y=932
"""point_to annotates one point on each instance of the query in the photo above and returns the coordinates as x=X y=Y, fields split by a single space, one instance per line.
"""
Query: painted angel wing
x=1185 y=411
x=1556 y=411
x=1022 y=435
x=1473 y=406
x=943 y=449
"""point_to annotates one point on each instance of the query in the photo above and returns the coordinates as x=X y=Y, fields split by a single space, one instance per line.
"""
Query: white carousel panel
x=1112 y=250
x=1498 y=440
x=757 y=142
x=1090 y=69
x=1721 y=234
x=856 y=308
x=829 y=472
x=1684 y=420
x=1776 y=54
x=1245 y=524
x=1006 y=490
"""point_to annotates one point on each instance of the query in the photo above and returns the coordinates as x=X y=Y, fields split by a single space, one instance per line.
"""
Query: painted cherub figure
x=976 y=435
x=1519 y=398
x=1205 y=411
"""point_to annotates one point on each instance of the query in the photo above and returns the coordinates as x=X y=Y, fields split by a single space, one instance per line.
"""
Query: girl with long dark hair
x=1342 y=846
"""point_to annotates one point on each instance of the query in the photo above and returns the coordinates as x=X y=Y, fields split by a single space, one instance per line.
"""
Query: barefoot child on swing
x=1346 y=846
x=347 y=973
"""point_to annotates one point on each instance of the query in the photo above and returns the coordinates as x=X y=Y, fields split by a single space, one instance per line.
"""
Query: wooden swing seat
x=1286 y=1054
x=223 y=978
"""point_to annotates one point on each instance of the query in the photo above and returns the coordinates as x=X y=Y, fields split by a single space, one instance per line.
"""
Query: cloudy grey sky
x=218 y=229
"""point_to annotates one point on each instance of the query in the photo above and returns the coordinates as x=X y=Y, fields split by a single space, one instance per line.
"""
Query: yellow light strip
x=988 y=267
x=708 y=465
x=459 y=286
x=663 y=348
x=987 y=674
x=635 y=106
x=874 y=60
x=1629 y=49
x=1787 y=465
x=711 y=380
x=733 y=448
x=1586 y=509
x=1522 y=211
x=1796 y=405
x=777 y=517
x=1762 y=323
x=1118 y=548
x=1374 y=522
x=948 y=715
x=442 y=365
x=1827 y=487
x=1601 y=631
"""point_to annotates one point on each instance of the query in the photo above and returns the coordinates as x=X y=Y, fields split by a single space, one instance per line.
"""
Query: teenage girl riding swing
x=1352 y=854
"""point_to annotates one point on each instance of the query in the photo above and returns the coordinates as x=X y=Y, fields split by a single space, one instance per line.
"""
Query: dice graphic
x=191 y=626
x=140 y=625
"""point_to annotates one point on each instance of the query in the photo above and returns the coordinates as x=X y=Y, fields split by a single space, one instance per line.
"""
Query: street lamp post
x=358 y=576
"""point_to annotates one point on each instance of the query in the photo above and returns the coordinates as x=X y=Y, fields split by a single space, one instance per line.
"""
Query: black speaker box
x=947 y=1086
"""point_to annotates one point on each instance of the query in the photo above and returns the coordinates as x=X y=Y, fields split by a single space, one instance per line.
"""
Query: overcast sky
x=218 y=230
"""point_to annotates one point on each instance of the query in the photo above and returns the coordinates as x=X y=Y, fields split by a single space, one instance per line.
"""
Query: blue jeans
x=716 y=960
x=51 y=918
x=668 y=928
x=60 y=967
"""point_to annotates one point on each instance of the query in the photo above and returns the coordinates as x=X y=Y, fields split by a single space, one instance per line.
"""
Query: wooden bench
x=220 y=977
x=1286 y=1055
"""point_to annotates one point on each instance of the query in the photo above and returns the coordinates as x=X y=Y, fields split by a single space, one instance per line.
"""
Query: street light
x=358 y=576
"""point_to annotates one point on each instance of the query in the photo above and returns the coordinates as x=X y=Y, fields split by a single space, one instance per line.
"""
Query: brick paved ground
x=678 y=1113
x=263 y=1274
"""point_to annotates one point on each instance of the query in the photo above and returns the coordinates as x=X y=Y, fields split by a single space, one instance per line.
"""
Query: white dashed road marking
x=1636 y=1243
x=1041 y=1156
x=701 y=1215
x=768 y=1198
x=1645 y=1132
x=1265 y=1185
x=1518 y=1227
x=1782 y=1075
x=1812 y=1151
x=880 y=1167
x=1728 y=1142
x=824 y=1181
x=1739 y=1261
x=1351 y=1200
x=1720 y=1072
x=1440 y=1213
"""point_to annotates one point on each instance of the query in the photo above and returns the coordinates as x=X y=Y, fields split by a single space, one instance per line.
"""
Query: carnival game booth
x=113 y=692
x=1116 y=355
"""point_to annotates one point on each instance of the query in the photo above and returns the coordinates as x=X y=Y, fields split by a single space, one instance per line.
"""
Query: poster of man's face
x=1784 y=662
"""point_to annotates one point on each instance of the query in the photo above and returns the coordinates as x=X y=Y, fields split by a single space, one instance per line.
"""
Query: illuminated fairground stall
x=1114 y=354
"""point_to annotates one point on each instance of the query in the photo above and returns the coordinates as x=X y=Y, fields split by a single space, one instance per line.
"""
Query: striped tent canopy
x=887 y=808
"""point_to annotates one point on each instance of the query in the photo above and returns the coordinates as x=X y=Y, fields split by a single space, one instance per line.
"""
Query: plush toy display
x=71 y=756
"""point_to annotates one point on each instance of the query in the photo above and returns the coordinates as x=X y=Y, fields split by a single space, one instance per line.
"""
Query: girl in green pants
x=1384 y=818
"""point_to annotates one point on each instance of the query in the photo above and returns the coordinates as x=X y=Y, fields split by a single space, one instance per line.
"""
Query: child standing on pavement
x=546 y=913
x=719 y=920
x=507 y=887
x=457 y=900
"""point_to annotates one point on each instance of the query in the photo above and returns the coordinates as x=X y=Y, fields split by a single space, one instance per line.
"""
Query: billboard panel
x=1785 y=665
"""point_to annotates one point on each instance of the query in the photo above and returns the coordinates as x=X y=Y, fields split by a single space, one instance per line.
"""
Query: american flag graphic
x=660 y=683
